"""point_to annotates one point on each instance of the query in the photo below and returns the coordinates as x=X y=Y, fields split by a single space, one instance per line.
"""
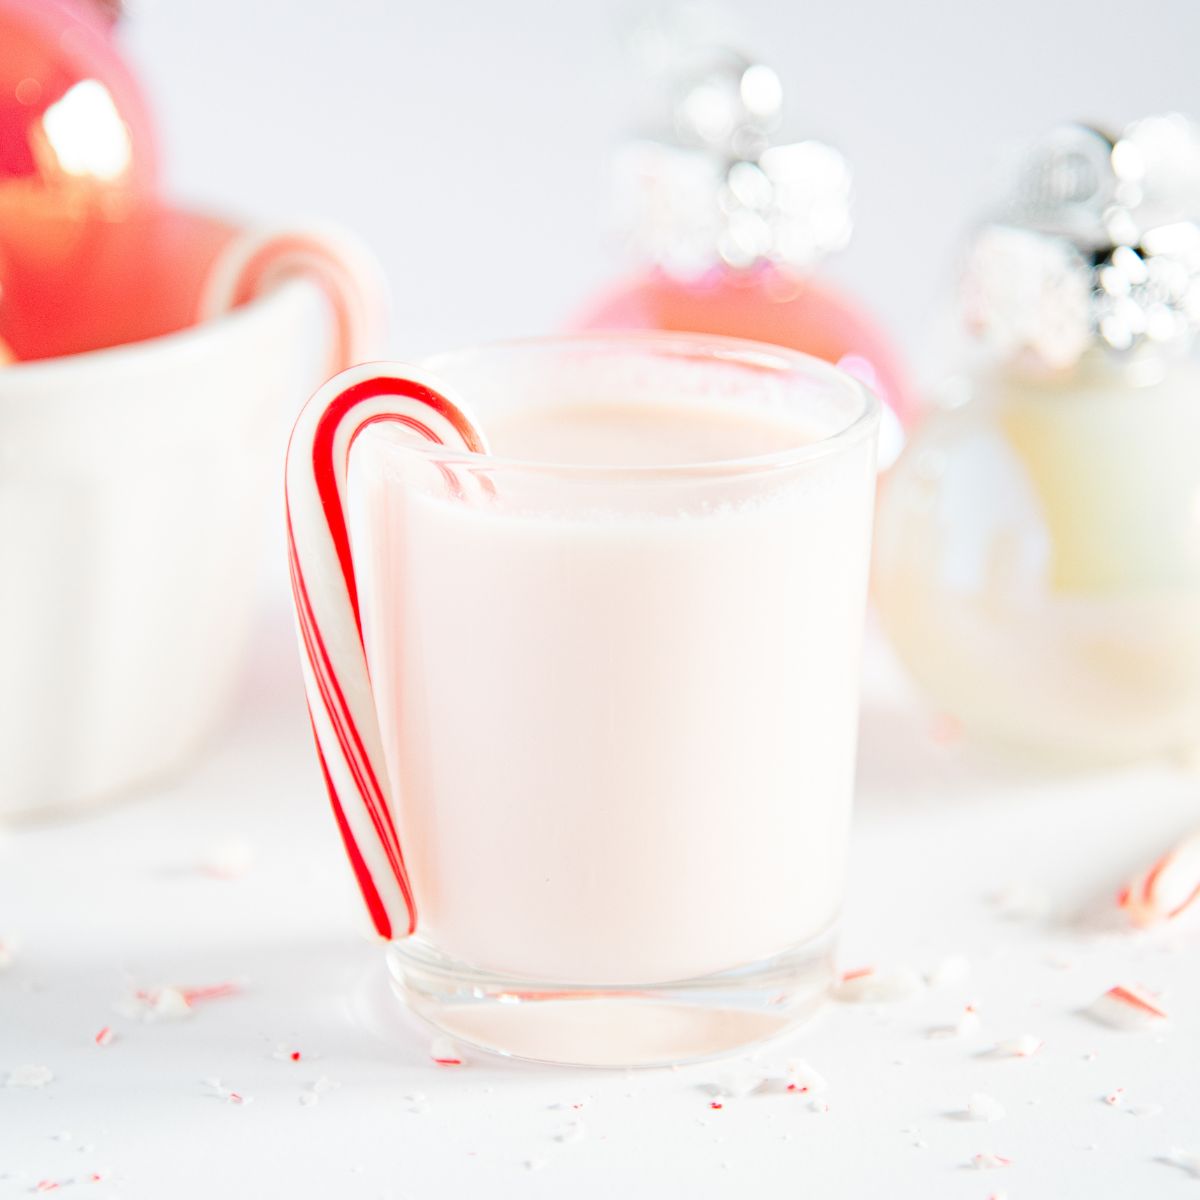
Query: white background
x=467 y=144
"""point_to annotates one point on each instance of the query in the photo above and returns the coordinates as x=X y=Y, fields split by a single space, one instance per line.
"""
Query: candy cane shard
x=329 y=621
x=1128 y=1008
x=1168 y=889
x=866 y=985
x=255 y=261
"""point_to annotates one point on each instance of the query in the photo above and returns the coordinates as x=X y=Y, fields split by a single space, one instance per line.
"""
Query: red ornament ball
x=77 y=149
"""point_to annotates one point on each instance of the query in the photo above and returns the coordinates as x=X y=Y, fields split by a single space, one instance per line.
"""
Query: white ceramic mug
x=134 y=487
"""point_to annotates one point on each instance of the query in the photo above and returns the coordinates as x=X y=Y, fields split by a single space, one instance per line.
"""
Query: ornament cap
x=716 y=185
x=1096 y=247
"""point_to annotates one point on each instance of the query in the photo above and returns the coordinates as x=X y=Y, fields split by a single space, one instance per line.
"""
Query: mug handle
x=255 y=260
x=337 y=684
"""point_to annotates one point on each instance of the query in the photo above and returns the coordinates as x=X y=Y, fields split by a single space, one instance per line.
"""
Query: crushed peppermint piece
x=1187 y=1160
x=157 y=1004
x=213 y=991
x=869 y=986
x=982 y=1107
x=949 y=972
x=988 y=1161
x=170 y=1003
x=715 y=1104
x=229 y=860
x=312 y=1094
x=160 y=1004
x=1128 y=1009
x=967 y=1024
x=560 y=1105
x=805 y=1077
x=216 y=1089
x=1167 y=890
x=29 y=1076
x=8 y=952
x=445 y=1053
x=46 y=1185
x=105 y=1037
x=1025 y=1046
x=1115 y=1097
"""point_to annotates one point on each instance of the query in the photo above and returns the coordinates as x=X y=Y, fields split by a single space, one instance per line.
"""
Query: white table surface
x=121 y=900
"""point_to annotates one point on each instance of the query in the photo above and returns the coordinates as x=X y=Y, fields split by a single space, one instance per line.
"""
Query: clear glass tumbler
x=609 y=682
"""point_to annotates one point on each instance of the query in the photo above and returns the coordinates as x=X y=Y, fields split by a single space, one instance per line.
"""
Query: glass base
x=614 y=1026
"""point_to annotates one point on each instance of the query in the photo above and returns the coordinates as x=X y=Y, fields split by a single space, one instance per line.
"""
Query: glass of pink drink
x=590 y=738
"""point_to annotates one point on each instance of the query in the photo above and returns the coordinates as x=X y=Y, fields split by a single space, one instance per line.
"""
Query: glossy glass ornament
x=1037 y=559
x=77 y=150
x=1037 y=555
x=731 y=221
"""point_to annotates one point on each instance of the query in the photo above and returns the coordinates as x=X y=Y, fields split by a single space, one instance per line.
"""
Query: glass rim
x=752 y=355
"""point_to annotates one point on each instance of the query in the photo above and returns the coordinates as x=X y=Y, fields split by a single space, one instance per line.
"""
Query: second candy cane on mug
x=328 y=613
x=254 y=261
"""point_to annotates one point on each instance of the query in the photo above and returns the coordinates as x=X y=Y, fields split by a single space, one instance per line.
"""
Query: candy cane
x=1168 y=889
x=328 y=615
x=255 y=261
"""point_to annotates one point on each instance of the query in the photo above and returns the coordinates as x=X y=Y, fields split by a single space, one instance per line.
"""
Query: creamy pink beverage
x=615 y=664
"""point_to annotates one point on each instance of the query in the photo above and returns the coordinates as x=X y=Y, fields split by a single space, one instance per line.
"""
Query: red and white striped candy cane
x=255 y=261
x=1168 y=889
x=340 y=701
